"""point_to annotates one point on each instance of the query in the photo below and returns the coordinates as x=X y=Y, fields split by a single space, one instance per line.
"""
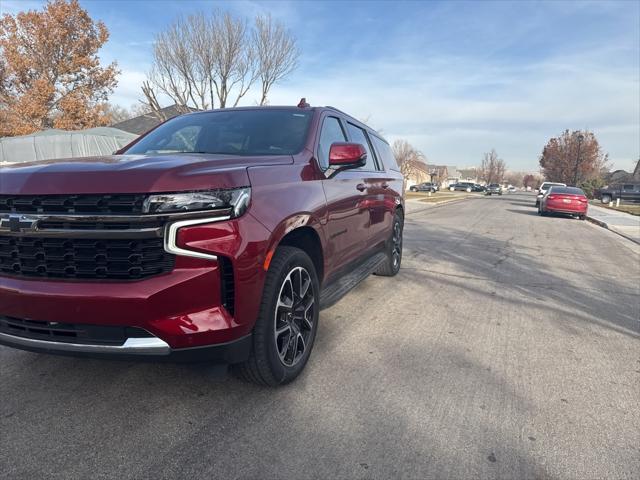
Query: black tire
x=582 y=217
x=265 y=365
x=391 y=265
x=606 y=198
x=413 y=189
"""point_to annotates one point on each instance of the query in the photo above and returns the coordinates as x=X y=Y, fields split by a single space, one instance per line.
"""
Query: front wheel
x=285 y=331
x=391 y=265
x=468 y=190
x=606 y=199
x=451 y=189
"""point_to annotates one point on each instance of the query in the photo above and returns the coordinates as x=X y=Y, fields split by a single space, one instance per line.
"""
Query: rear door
x=347 y=207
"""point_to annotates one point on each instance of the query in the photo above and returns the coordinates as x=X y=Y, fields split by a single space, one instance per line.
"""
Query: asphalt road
x=508 y=347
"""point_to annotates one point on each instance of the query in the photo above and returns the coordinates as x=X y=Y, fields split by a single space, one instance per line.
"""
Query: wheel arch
x=306 y=239
x=303 y=232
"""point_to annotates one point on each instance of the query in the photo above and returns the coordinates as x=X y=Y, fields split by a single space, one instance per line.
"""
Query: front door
x=347 y=224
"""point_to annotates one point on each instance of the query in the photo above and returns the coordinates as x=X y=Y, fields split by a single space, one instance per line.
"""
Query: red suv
x=217 y=236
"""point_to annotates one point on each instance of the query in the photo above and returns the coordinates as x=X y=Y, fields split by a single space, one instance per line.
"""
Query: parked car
x=511 y=189
x=478 y=188
x=462 y=187
x=219 y=236
x=628 y=192
x=570 y=200
x=493 y=189
x=424 y=187
x=544 y=188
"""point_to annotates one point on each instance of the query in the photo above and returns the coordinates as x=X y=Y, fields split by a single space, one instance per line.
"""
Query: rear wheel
x=451 y=189
x=287 y=323
x=468 y=190
x=391 y=265
x=606 y=198
x=582 y=217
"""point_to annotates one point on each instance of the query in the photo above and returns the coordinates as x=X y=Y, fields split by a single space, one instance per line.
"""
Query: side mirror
x=345 y=156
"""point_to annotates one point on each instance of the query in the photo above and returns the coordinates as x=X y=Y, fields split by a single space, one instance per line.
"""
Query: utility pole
x=575 y=171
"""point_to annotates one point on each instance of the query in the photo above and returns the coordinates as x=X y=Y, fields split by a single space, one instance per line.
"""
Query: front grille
x=116 y=204
x=70 y=332
x=78 y=258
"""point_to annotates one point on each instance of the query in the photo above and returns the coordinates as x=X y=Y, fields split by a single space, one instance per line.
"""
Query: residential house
x=453 y=176
x=439 y=174
x=469 y=175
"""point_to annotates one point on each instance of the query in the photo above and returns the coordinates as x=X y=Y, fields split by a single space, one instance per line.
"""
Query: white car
x=544 y=188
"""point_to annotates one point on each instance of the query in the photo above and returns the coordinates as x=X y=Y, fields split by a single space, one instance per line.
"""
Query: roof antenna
x=303 y=103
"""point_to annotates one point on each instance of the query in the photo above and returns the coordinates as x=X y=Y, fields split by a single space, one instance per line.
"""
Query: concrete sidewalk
x=622 y=223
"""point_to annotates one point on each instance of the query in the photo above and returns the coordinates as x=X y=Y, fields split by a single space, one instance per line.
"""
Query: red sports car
x=569 y=200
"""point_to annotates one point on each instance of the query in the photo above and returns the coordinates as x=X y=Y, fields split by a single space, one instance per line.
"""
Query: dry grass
x=438 y=197
x=632 y=208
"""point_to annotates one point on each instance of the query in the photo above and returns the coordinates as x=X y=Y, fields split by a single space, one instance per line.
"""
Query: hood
x=131 y=174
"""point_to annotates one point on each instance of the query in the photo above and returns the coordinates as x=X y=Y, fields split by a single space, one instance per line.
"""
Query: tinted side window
x=385 y=153
x=358 y=136
x=331 y=133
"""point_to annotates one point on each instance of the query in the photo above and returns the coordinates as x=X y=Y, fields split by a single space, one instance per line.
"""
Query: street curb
x=602 y=224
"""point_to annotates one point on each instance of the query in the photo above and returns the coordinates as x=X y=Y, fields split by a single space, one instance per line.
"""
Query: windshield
x=237 y=132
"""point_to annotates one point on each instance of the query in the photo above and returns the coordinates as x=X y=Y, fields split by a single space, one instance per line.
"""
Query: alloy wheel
x=294 y=316
x=397 y=244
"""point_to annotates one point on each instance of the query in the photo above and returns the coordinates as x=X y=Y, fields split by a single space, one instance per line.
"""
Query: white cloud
x=455 y=109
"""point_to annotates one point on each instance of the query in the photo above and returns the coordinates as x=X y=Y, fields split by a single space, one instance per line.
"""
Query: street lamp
x=575 y=171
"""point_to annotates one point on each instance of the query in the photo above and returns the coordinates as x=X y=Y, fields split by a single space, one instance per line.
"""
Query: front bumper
x=184 y=309
x=151 y=348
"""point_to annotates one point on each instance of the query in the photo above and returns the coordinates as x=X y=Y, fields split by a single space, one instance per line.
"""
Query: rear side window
x=385 y=154
x=331 y=132
x=358 y=136
x=567 y=190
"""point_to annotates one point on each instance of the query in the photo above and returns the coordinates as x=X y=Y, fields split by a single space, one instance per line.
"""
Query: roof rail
x=337 y=110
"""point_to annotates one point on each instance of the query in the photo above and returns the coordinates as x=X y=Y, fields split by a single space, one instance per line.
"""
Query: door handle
x=385 y=185
x=361 y=187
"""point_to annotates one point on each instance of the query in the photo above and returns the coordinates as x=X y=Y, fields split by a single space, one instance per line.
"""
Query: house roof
x=144 y=123
x=468 y=173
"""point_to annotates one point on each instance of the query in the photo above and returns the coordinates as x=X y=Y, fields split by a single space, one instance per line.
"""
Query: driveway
x=508 y=347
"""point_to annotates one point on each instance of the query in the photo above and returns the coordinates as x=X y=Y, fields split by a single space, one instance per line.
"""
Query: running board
x=337 y=289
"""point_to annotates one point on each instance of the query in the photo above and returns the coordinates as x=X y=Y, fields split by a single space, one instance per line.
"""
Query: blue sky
x=454 y=78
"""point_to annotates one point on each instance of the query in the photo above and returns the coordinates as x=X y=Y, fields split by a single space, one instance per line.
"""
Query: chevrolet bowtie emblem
x=18 y=223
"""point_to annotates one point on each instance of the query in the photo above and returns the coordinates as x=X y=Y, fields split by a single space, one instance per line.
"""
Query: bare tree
x=410 y=160
x=276 y=52
x=206 y=61
x=492 y=168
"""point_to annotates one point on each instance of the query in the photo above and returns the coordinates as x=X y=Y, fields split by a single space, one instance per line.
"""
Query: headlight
x=237 y=199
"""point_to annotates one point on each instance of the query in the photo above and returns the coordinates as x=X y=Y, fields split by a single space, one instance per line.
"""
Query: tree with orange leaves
x=573 y=158
x=50 y=73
